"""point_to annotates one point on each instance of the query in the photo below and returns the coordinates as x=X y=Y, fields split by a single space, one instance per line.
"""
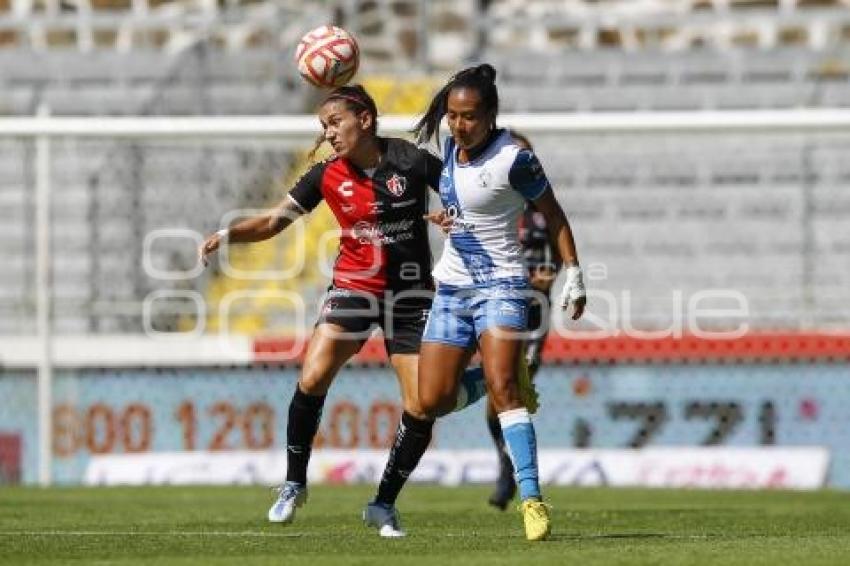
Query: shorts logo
x=397 y=185
x=508 y=309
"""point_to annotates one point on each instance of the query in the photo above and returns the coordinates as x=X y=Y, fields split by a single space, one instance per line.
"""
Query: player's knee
x=412 y=405
x=428 y=403
x=435 y=403
x=415 y=410
x=315 y=381
x=504 y=393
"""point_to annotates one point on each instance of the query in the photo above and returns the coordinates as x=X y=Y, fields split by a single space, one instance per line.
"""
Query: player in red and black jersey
x=378 y=190
x=384 y=244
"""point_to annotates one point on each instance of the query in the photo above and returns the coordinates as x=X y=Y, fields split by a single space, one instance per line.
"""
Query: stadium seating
x=737 y=212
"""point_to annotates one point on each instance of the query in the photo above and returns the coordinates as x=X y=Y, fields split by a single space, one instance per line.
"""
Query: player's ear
x=366 y=120
x=491 y=117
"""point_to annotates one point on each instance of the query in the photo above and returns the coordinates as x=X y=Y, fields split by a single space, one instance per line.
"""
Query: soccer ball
x=327 y=57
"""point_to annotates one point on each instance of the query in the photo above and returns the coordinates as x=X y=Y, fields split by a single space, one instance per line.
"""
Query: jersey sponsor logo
x=344 y=188
x=397 y=185
x=383 y=232
x=403 y=203
x=348 y=208
x=458 y=223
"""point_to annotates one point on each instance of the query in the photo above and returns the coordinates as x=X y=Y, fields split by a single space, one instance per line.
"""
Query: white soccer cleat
x=290 y=496
x=385 y=518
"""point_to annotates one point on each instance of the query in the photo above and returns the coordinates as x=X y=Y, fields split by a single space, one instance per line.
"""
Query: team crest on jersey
x=397 y=185
x=484 y=179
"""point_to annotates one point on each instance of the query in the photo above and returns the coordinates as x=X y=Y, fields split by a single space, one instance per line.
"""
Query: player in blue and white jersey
x=542 y=263
x=483 y=288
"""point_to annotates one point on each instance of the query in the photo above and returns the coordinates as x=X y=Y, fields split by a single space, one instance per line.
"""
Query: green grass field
x=205 y=525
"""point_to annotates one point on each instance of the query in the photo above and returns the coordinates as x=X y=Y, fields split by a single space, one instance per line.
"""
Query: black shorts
x=538 y=323
x=400 y=315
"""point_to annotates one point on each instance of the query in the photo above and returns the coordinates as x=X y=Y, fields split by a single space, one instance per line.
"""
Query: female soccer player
x=543 y=263
x=482 y=282
x=377 y=189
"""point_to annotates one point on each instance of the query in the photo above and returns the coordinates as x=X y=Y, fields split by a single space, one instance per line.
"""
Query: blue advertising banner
x=112 y=411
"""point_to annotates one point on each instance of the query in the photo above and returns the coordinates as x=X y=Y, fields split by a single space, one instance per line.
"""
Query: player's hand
x=441 y=219
x=573 y=294
x=210 y=245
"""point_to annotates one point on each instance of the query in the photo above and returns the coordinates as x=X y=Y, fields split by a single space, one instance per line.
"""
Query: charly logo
x=344 y=188
x=397 y=185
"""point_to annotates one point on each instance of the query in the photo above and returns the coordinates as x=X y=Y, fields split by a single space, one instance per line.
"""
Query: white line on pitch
x=149 y=534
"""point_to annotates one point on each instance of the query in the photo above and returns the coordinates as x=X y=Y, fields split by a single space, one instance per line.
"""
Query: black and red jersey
x=537 y=250
x=384 y=241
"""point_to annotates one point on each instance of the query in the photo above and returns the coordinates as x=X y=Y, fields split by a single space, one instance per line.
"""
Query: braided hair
x=481 y=78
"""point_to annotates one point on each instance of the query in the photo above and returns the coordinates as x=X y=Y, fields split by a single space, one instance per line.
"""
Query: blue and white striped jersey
x=485 y=198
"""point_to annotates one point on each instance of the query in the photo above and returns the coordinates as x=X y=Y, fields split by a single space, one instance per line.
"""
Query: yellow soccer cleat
x=527 y=391
x=535 y=514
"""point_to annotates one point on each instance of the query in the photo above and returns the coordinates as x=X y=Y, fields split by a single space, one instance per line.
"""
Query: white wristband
x=573 y=286
x=223 y=234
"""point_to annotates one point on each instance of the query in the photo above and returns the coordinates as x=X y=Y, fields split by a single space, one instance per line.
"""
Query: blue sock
x=472 y=388
x=522 y=446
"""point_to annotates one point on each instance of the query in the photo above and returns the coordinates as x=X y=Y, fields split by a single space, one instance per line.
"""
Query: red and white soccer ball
x=327 y=57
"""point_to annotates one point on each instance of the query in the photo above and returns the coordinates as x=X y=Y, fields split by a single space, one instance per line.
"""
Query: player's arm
x=562 y=235
x=255 y=229
x=558 y=226
x=304 y=197
x=527 y=177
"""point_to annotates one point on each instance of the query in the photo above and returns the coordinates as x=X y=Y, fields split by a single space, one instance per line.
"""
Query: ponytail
x=481 y=78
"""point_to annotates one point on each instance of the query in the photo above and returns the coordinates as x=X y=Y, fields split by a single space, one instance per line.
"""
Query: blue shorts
x=459 y=315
